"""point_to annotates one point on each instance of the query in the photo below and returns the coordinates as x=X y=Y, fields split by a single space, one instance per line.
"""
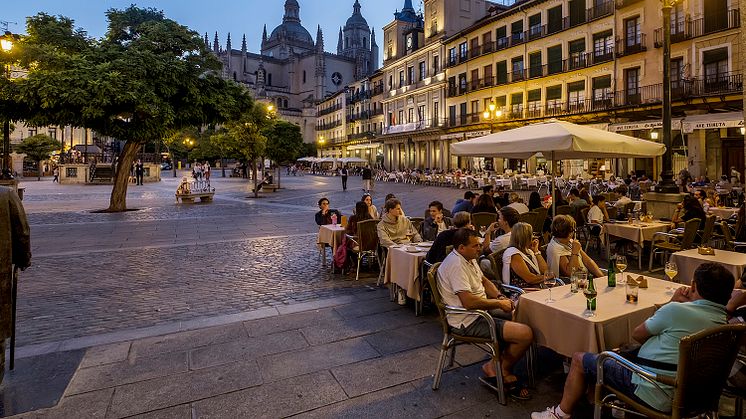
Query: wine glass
x=671 y=271
x=621 y=265
x=590 y=294
x=482 y=230
x=549 y=282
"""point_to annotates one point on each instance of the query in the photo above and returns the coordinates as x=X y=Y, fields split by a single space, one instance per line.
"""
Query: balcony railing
x=329 y=110
x=363 y=135
x=682 y=90
x=690 y=29
x=624 y=3
x=631 y=45
x=328 y=125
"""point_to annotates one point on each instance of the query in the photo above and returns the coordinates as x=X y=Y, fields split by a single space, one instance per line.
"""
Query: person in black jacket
x=343 y=173
x=436 y=222
x=324 y=216
x=438 y=250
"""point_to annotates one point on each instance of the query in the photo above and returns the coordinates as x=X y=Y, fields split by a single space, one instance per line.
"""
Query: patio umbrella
x=559 y=140
x=345 y=160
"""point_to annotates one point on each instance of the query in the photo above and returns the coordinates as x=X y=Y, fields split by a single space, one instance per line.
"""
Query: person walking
x=56 y=174
x=343 y=172
x=367 y=179
x=139 y=171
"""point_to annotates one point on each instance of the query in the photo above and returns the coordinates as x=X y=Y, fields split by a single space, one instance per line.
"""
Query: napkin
x=641 y=281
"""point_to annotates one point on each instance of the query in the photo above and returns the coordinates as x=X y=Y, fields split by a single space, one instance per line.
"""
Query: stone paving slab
x=245 y=349
x=353 y=327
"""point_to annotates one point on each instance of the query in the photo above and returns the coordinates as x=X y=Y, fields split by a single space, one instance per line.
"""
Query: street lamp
x=6 y=44
x=491 y=114
x=654 y=135
x=189 y=144
x=667 y=184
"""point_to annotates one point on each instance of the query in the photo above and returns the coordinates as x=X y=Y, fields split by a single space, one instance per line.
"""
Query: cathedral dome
x=357 y=19
x=292 y=31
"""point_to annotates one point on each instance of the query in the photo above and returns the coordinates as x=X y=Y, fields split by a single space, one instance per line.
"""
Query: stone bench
x=189 y=197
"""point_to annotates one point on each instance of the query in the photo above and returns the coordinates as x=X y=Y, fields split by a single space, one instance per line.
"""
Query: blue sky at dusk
x=234 y=16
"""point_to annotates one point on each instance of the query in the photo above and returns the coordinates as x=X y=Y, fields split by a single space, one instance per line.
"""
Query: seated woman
x=371 y=208
x=689 y=208
x=361 y=214
x=324 y=216
x=534 y=201
x=523 y=264
x=485 y=203
x=597 y=214
x=565 y=253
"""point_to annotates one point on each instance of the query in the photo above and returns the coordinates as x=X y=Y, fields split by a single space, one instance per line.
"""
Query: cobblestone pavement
x=96 y=273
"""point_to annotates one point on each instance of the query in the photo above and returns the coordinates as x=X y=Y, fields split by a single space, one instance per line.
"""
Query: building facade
x=293 y=71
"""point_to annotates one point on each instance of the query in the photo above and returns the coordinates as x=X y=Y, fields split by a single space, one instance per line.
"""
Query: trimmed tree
x=38 y=148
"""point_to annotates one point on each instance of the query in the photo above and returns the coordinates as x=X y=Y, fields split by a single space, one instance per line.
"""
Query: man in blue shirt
x=466 y=204
x=691 y=310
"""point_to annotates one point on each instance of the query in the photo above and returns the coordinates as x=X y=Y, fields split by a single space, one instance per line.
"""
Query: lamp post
x=667 y=184
x=491 y=114
x=6 y=44
x=189 y=144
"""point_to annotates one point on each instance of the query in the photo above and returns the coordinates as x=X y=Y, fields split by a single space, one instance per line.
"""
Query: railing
x=624 y=3
x=533 y=33
x=363 y=135
x=328 y=125
x=701 y=27
x=329 y=110
x=577 y=61
x=629 y=46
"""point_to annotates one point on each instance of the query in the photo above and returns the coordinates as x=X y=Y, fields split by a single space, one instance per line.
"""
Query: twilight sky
x=234 y=16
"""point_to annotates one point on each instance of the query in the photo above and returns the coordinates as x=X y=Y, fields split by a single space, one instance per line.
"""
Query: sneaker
x=548 y=414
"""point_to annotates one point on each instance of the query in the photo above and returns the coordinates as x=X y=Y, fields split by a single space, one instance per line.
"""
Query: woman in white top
x=523 y=264
x=565 y=253
x=371 y=208
x=597 y=214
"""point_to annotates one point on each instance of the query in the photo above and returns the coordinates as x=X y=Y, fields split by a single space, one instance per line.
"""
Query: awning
x=643 y=125
x=713 y=121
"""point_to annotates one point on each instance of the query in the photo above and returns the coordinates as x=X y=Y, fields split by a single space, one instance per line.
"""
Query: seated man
x=507 y=217
x=575 y=200
x=266 y=181
x=436 y=222
x=462 y=284
x=517 y=202
x=324 y=216
x=565 y=253
x=438 y=250
x=466 y=204
x=623 y=198
x=692 y=310
x=394 y=227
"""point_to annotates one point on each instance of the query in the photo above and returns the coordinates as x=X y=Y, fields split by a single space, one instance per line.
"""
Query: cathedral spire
x=356 y=8
x=319 y=39
x=292 y=11
x=228 y=43
x=339 y=42
x=407 y=6
x=216 y=43
x=243 y=43
x=264 y=34
x=373 y=39
x=207 y=41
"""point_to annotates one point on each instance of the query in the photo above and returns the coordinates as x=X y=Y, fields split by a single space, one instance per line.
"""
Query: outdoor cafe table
x=562 y=327
x=637 y=232
x=332 y=235
x=403 y=269
x=688 y=260
x=723 y=212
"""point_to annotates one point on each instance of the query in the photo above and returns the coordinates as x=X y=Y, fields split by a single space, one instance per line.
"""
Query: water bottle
x=612 y=271
x=334 y=219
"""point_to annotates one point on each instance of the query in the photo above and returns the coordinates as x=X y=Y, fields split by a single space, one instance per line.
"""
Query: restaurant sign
x=475 y=134
x=732 y=123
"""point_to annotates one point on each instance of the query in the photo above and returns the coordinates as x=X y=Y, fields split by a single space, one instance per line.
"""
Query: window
x=601 y=89
x=715 y=62
x=534 y=64
x=516 y=105
x=269 y=79
x=576 y=95
x=410 y=115
x=452 y=56
x=554 y=59
x=462 y=50
x=401 y=116
x=576 y=50
x=420 y=113
x=462 y=111
x=53 y=133
x=677 y=83
x=452 y=115
x=603 y=46
x=452 y=86
x=502 y=72
x=391 y=82
x=474 y=47
x=678 y=18
x=401 y=78
x=632 y=36
x=410 y=74
x=474 y=111
x=534 y=26
x=534 y=103
x=474 y=79
x=462 y=83
x=501 y=36
x=554 y=100
x=501 y=101
x=577 y=12
x=435 y=115
x=554 y=19
x=423 y=73
x=32 y=132
x=487 y=42
x=632 y=85
x=516 y=32
x=487 y=71
x=517 y=68
x=716 y=15
x=436 y=65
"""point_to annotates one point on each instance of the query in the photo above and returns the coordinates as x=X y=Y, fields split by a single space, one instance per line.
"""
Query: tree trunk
x=118 y=200
x=254 y=175
x=38 y=170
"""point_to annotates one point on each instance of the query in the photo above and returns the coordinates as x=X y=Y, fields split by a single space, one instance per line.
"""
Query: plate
x=415 y=250
x=425 y=244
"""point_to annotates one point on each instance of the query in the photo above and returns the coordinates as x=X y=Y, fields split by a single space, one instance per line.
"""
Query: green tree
x=246 y=140
x=284 y=142
x=146 y=79
x=38 y=148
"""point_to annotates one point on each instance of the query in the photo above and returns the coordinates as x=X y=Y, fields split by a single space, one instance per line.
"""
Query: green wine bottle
x=612 y=272
x=591 y=291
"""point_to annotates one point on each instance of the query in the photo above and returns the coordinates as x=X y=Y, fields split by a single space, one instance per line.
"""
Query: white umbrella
x=308 y=159
x=560 y=140
x=346 y=160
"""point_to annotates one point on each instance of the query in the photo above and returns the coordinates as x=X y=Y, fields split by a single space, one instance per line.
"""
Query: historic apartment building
x=293 y=72
x=587 y=61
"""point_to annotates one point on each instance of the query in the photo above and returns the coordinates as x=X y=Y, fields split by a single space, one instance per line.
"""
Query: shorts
x=480 y=328
x=615 y=375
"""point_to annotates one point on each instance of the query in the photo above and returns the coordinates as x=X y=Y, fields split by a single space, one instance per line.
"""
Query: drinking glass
x=589 y=295
x=671 y=271
x=582 y=279
x=621 y=265
x=632 y=293
x=549 y=282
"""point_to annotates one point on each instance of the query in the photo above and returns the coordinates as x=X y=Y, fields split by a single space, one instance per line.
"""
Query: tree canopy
x=38 y=147
x=284 y=142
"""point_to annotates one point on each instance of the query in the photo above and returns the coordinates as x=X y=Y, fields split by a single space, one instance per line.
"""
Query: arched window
x=285 y=103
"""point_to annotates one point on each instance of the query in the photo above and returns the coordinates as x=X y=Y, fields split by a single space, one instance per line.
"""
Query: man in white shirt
x=516 y=202
x=462 y=284
x=507 y=217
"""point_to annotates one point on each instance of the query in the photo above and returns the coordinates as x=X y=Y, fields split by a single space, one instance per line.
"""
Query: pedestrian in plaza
x=15 y=251
x=367 y=179
x=343 y=173
x=56 y=173
x=206 y=171
x=139 y=171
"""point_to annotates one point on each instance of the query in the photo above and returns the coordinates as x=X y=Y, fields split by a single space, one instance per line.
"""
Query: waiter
x=15 y=250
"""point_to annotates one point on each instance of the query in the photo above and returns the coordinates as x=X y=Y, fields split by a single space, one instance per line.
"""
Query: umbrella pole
x=554 y=183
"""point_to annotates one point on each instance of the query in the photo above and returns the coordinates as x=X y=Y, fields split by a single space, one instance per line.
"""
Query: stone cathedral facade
x=293 y=71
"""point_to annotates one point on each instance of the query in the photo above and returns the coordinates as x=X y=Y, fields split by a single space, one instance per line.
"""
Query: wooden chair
x=480 y=219
x=612 y=211
x=671 y=243
x=729 y=243
x=451 y=339
x=367 y=243
x=705 y=361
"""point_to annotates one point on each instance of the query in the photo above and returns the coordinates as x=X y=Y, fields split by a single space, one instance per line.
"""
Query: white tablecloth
x=331 y=235
x=562 y=327
x=637 y=232
x=724 y=212
x=687 y=262
x=403 y=269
